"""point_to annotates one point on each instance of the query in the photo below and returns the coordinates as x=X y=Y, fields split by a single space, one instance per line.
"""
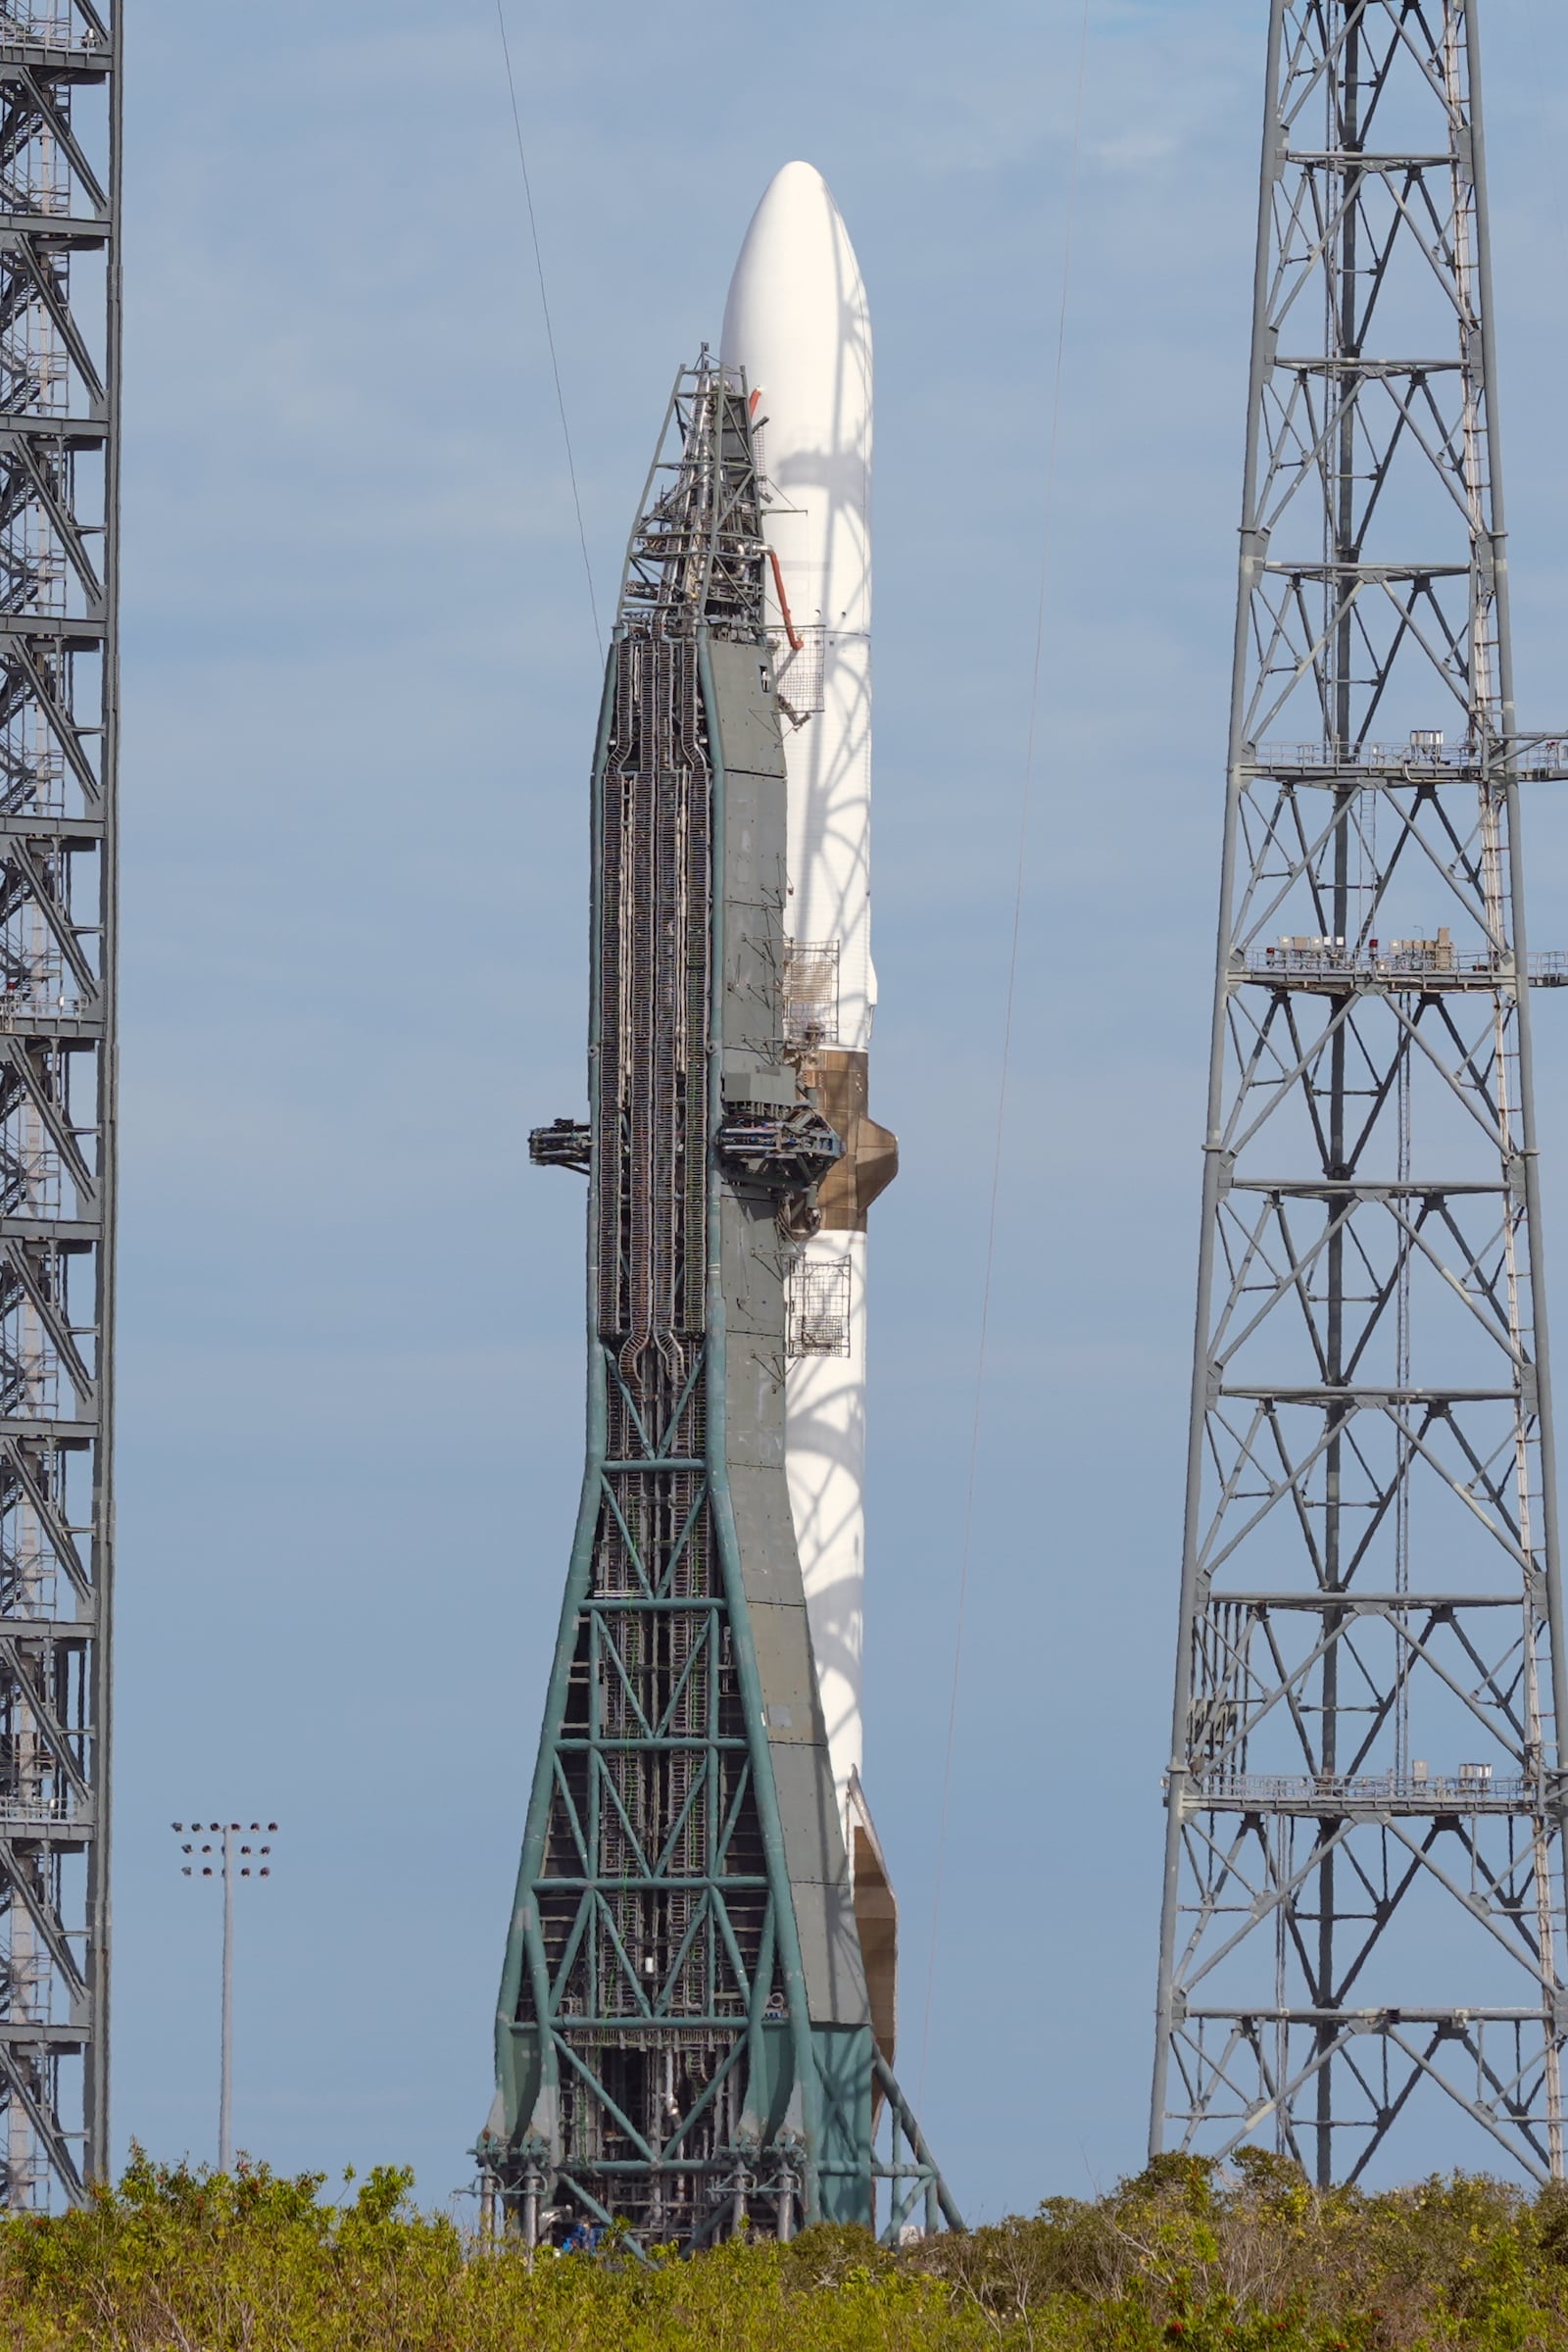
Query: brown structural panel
x=836 y=1080
x=877 y=1916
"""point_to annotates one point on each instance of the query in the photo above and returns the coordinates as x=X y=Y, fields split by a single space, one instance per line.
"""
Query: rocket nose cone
x=798 y=183
x=796 y=259
x=796 y=203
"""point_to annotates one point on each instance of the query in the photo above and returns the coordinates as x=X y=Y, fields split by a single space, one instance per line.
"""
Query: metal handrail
x=51 y=25
x=1503 y=751
x=50 y=1809
x=1446 y=1788
x=1440 y=962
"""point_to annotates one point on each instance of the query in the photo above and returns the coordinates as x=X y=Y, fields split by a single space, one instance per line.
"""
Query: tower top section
x=695 y=557
x=1373 y=516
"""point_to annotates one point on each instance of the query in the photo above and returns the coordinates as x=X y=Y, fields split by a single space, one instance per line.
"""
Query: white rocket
x=797 y=321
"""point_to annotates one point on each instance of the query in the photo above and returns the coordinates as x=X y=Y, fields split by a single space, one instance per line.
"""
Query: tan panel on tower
x=835 y=1079
x=877 y=1916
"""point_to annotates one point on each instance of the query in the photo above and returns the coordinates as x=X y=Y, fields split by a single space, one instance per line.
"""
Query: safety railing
x=39 y=1813
x=1422 y=754
x=1471 y=1787
x=1415 y=961
x=19 y=1008
x=47 y=24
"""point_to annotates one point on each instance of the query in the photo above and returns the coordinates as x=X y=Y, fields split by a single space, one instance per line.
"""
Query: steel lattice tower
x=58 y=472
x=1363 y=1887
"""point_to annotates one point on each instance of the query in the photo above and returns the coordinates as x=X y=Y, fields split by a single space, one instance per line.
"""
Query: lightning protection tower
x=1364 y=1921
x=59 y=470
x=685 y=2040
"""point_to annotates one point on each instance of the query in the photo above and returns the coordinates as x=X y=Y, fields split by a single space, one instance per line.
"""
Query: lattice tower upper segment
x=1363 y=1926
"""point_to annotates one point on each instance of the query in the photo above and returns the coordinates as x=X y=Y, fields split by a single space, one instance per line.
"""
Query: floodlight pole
x=228 y=1867
x=225 y=2095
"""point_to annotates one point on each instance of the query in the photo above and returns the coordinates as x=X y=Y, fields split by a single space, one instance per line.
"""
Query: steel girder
x=1363 y=1906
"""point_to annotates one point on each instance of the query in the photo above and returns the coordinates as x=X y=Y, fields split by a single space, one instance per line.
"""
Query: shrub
x=1185 y=2253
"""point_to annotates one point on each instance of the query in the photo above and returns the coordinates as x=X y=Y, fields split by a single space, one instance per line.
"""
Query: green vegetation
x=176 y=2261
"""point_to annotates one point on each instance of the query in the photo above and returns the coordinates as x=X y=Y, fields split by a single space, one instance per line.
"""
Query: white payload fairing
x=797 y=323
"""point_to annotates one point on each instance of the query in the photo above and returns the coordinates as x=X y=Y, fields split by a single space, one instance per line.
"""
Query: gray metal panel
x=784 y=1664
x=754 y=1262
x=755 y=883
x=820 y=1873
x=764 y=1524
x=830 y=1944
x=747 y=1080
x=743 y=678
x=753 y=1285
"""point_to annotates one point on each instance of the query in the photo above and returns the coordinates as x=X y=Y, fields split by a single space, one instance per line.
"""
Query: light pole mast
x=1363 y=1888
x=230 y=1862
x=226 y=2096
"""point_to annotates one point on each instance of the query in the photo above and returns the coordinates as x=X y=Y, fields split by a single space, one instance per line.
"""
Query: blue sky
x=361 y=684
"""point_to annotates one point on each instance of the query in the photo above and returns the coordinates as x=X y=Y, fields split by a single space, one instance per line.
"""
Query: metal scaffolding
x=1364 y=1905
x=685 y=2042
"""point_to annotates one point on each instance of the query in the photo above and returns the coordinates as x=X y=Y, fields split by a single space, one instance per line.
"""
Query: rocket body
x=797 y=321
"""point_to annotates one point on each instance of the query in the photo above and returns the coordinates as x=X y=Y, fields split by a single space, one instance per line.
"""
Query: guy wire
x=550 y=333
x=1025 y=797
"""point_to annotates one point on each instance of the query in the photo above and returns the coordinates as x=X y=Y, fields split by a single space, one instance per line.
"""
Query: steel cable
x=1025 y=799
x=550 y=333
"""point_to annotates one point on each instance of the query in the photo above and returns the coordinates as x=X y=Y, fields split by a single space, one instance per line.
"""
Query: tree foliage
x=175 y=2260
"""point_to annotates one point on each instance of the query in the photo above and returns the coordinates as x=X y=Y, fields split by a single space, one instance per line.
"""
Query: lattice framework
x=1363 y=1897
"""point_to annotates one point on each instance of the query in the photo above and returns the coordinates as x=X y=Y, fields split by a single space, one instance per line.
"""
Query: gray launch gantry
x=1364 y=1915
x=684 y=2041
x=59 y=474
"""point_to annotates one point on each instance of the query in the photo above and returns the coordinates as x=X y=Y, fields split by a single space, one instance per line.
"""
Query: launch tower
x=58 y=472
x=1363 y=1913
x=685 y=2039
